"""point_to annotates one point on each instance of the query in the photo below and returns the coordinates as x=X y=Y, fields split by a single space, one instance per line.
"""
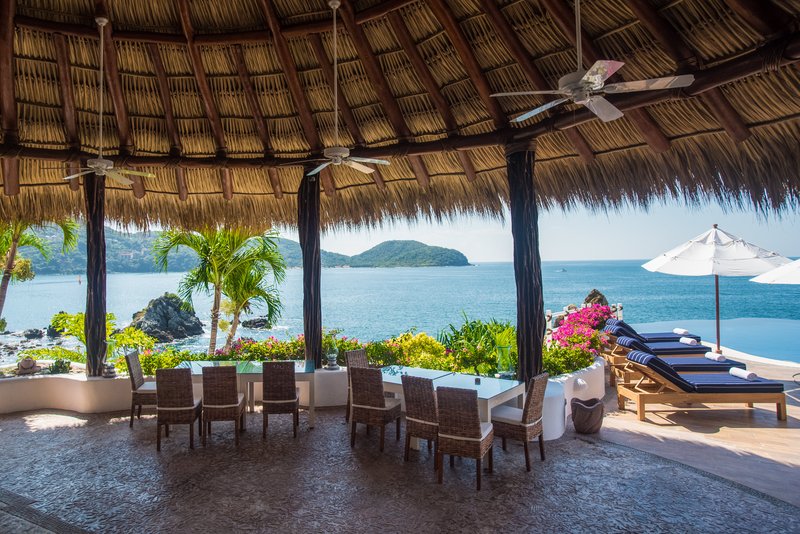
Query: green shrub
x=59 y=367
x=474 y=344
x=421 y=350
x=383 y=353
x=161 y=359
x=52 y=353
x=3 y=325
x=558 y=360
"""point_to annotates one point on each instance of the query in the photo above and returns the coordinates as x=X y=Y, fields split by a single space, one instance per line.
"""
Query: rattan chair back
x=420 y=398
x=367 y=386
x=534 y=399
x=278 y=381
x=220 y=386
x=356 y=358
x=458 y=412
x=174 y=388
x=134 y=370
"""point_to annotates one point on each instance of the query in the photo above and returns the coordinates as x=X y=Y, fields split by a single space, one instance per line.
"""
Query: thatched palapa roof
x=216 y=98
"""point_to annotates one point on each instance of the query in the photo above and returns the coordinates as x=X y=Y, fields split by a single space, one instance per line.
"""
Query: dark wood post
x=527 y=262
x=95 y=324
x=308 y=227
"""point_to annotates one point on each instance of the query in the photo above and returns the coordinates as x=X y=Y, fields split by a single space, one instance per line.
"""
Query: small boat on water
x=561 y=270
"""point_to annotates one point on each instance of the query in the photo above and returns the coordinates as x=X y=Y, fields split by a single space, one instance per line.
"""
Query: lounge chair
x=625 y=372
x=661 y=348
x=666 y=386
x=622 y=329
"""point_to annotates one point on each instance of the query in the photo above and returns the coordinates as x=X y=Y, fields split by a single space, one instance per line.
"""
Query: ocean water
x=372 y=304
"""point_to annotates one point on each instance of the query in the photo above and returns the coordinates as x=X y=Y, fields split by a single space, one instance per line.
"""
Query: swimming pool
x=770 y=338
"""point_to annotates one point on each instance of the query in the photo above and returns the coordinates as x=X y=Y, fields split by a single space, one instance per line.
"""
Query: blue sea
x=372 y=304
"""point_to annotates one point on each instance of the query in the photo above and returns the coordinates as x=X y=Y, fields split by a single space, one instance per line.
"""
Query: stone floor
x=95 y=473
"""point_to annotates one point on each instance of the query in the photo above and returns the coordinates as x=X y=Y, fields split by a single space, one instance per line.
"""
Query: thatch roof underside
x=703 y=159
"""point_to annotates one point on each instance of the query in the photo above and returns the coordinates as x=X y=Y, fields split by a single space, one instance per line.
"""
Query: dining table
x=248 y=373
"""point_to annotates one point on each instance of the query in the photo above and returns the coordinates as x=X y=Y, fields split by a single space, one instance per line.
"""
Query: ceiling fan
x=587 y=87
x=339 y=155
x=99 y=165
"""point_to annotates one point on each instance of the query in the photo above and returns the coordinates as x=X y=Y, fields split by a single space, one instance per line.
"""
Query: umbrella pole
x=716 y=297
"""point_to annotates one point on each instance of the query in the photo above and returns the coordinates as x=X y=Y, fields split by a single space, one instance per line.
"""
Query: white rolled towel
x=713 y=356
x=680 y=331
x=688 y=341
x=743 y=373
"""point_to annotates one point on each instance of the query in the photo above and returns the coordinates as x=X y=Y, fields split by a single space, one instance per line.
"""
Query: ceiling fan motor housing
x=100 y=165
x=336 y=153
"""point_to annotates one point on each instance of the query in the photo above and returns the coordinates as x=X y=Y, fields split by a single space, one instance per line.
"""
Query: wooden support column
x=520 y=159
x=8 y=104
x=95 y=323
x=309 y=228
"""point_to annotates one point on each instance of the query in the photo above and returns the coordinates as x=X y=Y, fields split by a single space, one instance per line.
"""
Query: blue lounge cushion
x=619 y=327
x=653 y=337
x=661 y=367
x=684 y=364
x=619 y=331
x=672 y=347
x=725 y=383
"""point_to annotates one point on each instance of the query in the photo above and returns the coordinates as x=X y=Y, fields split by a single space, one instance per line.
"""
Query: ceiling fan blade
x=117 y=177
x=296 y=162
x=358 y=166
x=526 y=93
x=603 y=109
x=540 y=109
x=319 y=169
x=71 y=176
x=601 y=71
x=135 y=173
x=652 y=84
x=369 y=160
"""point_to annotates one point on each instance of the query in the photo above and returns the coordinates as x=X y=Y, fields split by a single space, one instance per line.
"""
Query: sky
x=580 y=234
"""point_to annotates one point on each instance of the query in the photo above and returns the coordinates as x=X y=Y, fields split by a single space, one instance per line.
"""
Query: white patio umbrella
x=719 y=253
x=785 y=274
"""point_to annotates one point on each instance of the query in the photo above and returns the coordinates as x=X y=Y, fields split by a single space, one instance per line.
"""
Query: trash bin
x=587 y=415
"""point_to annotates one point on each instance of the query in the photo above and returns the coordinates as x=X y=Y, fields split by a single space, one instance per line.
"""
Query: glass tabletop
x=488 y=387
x=242 y=368
x=392 y=374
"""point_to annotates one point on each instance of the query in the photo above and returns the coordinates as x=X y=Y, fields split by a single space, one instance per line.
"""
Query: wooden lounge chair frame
x=653 y=388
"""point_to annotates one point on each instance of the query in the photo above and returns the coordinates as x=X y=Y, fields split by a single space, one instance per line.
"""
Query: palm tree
x=221 y=253
x=248 y=288
x=17 y=234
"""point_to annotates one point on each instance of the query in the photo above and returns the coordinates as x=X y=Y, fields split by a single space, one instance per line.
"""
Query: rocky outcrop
x=165 y=320
x=595 y=297
x=33 y=333
x=257 y=322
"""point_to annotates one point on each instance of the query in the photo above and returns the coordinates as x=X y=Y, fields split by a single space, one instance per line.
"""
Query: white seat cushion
x=391 y=403
x=485 y=429
x=147 y=387
x=507 y=414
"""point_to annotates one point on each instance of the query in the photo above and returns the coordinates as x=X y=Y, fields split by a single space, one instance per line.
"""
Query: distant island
x=132 y=253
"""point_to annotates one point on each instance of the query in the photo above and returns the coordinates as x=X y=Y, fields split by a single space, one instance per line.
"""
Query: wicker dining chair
x=222 y=400
x=279 y=394
x=353 y=358
x=422 y=420
x=461 y=432
x=142 y=393
x=523 y=424
x=370 y=406
x=177 y=404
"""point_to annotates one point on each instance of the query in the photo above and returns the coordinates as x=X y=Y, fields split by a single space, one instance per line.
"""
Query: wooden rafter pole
x=464 y=50
x=206 y=96
x=685 y=58
x=758 y=61
x=565 y=21
x=69 y=115
x=8 y=104
x=426 y=77
x=381 y=88
x=532 y=72
x=175 y=145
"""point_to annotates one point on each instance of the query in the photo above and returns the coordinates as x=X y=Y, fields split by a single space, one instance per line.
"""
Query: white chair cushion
x=485 y=429
x=147 y=387
x=391 y=403
x=507 y=414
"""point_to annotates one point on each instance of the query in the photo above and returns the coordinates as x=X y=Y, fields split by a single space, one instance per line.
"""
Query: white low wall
x=588 y=383
x=72 y=392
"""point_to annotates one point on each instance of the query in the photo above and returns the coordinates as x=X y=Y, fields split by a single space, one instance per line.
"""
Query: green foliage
x=3 y=324
x=474 y=344
x=383 y=353
x=166 y=359
x=58 y=367
x=52 y=353
x=22 y=271
x=118 y=341
x=557 y=360
x=422 y=350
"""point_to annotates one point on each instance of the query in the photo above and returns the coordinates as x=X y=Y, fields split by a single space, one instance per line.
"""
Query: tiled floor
x=96 y=473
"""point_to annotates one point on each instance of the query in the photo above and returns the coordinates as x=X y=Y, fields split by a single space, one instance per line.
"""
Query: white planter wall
x=73 y=392
x=588 y=383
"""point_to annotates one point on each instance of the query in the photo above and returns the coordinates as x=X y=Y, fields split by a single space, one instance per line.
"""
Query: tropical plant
x=249 y=287
x=557 y=360
x=118 y=341
x=59 y=367
x=221 y=253
x=52 y=353
x=15 y=235
x=474 y=344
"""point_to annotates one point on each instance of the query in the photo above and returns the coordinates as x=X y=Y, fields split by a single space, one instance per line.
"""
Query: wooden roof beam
x=381 y=88
x=296 y=90
x=237 y=56
x=464 y=49
x=67 y=104
x=762 y=15
x=424 y=73
x=685 y=58
x=275 y=182
x=206 y=97
x=564 y=19
x=524 y=59
x=8 y=103
x=126 y=146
